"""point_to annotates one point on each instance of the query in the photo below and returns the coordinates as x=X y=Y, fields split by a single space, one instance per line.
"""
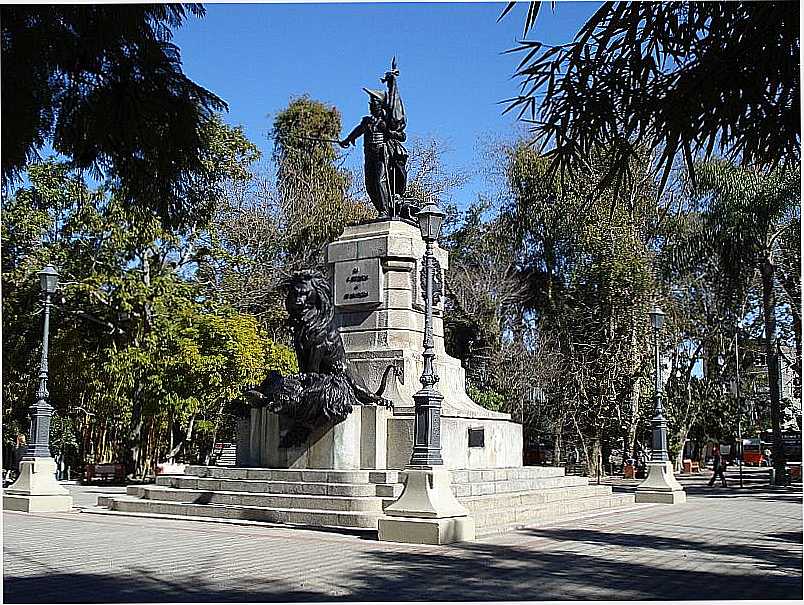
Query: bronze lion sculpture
x=327 y=387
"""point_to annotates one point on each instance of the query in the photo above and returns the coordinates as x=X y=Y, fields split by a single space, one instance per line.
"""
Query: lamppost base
x=660 y=486
x=427 y=511
x=36 y=489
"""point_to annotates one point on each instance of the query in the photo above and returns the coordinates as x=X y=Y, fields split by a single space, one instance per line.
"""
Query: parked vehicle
x=752 y=453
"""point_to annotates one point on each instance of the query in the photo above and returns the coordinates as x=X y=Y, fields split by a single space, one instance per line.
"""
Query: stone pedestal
x=376 y=268
x=427 y=511
x=359 y=442
x=379 y=312
x=660 y=486
x=36 y=490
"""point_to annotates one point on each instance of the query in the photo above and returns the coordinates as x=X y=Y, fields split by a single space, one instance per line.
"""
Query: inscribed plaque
x=358 y=282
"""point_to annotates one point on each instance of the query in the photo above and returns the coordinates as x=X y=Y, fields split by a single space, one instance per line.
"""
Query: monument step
x=131 y=490
x=277 y=487
x=493 y=513
x=532 y=497
x=505 y=474
x=462 y=490
x=293 y=516
x=502 y=520
x=366 y=476
x=278 y=474
x=264 y=500
x=374 y=488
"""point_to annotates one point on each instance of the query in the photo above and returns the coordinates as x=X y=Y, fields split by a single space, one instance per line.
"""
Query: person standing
x=718 y=467
x=19 y=452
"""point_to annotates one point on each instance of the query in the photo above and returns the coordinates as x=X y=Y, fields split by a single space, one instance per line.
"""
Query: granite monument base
x=427 y=512
x=660 y=486
x=359 y=442
x=36 y=489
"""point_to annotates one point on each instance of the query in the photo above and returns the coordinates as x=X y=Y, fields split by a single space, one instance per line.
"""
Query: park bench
x=577 y=469
x=691 y=466
x=105 y=472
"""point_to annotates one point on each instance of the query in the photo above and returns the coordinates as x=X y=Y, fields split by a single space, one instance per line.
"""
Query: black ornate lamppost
x=660 y=486
x=659 y=423
x=41 y=411
x=427 y=511
x=427 y=422
x=36 y=488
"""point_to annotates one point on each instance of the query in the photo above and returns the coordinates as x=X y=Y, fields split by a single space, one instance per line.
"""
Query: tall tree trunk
x=797 y=361
x=772 y=356
x=793 y=290
x=558 y=445
x=633 y=423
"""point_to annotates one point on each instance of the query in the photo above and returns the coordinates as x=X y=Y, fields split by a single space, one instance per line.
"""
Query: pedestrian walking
x=718 y=467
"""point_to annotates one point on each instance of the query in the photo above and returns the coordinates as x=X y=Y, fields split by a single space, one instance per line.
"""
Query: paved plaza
x=723 y=544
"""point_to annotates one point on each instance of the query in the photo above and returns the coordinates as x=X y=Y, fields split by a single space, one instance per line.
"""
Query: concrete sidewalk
x=723 y=544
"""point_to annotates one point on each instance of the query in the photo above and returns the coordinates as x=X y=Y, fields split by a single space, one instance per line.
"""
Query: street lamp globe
x=657 y=317
x=430 y=217
x=48 y=280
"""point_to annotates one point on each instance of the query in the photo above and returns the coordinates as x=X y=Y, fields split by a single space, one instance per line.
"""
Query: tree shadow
x=461 y=572
x=145 y=588
x=788 y=536
x=482 y=572
x=780 y=559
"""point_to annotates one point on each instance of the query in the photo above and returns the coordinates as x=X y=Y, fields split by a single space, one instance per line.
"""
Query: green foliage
x=661 y=75
x=743 y=209
x=312 y=188
x=483 y=283
x=139 y=348
x=549 y=297
x=191 y=359
x=296 y=126
x=745 y=215
x=63 y=438
x=108 y=92
x=491 y=400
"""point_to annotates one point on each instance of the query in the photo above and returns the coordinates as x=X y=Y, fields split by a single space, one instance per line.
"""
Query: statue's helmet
x=375 y=95
x=376 y=98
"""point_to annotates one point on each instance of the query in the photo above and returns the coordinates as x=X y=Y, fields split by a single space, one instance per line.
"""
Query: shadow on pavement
x=144 y=588
x=575 y=564
x=780 y=559
x=478 y=572
x=788 y=536
x=463 y=572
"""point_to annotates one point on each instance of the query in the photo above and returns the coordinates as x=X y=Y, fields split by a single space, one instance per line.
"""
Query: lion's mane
x=314 y=329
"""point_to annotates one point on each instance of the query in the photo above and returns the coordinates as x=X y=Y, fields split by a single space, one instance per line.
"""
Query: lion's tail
x=384 y=381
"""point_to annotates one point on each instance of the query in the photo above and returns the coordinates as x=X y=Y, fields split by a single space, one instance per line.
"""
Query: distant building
x=789 y=381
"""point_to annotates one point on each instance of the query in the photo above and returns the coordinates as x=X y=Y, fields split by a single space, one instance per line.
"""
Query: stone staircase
x=498 y=499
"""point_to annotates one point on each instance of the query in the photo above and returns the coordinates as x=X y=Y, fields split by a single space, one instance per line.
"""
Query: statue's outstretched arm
x=358 y=131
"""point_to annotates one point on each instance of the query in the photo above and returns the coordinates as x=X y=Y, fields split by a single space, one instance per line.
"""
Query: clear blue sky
x=453 y=73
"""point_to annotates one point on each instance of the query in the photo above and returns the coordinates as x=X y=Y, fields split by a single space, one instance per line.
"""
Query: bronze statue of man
x=385 y=163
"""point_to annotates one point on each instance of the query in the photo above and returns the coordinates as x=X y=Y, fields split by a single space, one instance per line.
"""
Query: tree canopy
x=103 y=85
x=313 y=189
x=680 y=78
x=146 y=358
